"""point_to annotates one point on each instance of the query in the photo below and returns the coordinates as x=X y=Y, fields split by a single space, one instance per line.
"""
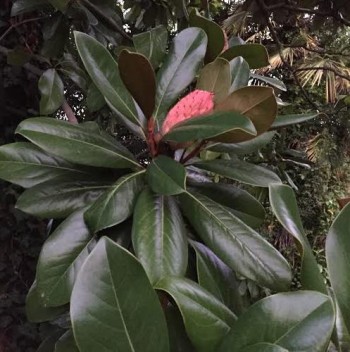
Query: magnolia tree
x=152 y=254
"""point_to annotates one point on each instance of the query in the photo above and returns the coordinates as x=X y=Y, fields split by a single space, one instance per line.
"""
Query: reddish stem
x=150 y=137
x=194 y=152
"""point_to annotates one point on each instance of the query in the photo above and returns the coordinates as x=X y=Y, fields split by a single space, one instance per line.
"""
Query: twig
x=336 y=15
x=96 y=11
x=274 y=35
x=194 y=152
x=14 y=25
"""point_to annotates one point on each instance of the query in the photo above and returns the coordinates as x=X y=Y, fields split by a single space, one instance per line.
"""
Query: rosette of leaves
x=148 y=256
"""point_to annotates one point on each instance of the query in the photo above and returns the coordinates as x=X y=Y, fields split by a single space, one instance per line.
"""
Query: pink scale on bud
x=196 y=103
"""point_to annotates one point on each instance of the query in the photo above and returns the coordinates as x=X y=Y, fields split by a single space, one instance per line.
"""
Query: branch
x=96 y=11
x=324 y=69
x=336 y=15
x=274 y=35
x=14 y=25
x=69 y=112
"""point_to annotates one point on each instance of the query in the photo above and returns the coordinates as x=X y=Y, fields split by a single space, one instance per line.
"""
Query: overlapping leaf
x=296 y=321
x=206 y=319
x=61 y=258
x=159 y=236
x=179 y=69
x=235 y=243
x=114 y=306
x=27 y=165
x=76 y=143
x=285 y=208
x=241 y=171
x=116 y=204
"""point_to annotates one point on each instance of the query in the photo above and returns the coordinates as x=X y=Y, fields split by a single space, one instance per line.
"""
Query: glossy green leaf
x=55 y=199
x=179 y=69
x=104 y=72
x=52 y=92
x=257 y=103
x=338 y=261
x=206 y=319
x=94 y=99
x=166 y=176
x=295 y=321
x=139 y=78
x=178 y=338
x=238 y=201
x=274 y=82
x=152 y=44
x=27 y=165
x=246 y=147
x=116 y=204
x=76 y=143
x=216 y=277
x=159 y=236
x=255 y=54
x=36 y=311
x=114 y=306
x=264 y=347
x=235 y=243
x=285 y=208
x=241 y=171
x=215 y=78
x=216 y=36
x=217 y=124
x=61 y=258
x=66 y=343
x=287 y=120
x=49 y=343
x=20 y=7
x=239 y=73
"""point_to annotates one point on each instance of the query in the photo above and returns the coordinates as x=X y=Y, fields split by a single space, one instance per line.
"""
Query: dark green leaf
x=296 y=321
x=23 y=6
x=52 y=92
x=48 y=345
x=94 y=99
x=55 y=199
x=113 y=305
x=264 y=347
x=215 y=78
x=152 y=44
x=36 y=311
x=235 y=243
x=239 y=73
x=18 y=56
x=338 y=261
x=218 y=124
x=166 y=176
x=255 y=54
x=216 y=277
x=241 y=171
x=104 y=72
x=139 y=78
x=116 y=204
x=285 y=208
x=66 y=343
x=76 y=143
x=216 y=36
x=287 y=120
x=206 y=319
x=179 y=69
x=246 y=147
x=61 y=258
x=239 y=202
x=159 y=236
x=60 y=5
x=27 y=165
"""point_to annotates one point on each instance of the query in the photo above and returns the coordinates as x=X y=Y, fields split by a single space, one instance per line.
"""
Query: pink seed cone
x=196 y=103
